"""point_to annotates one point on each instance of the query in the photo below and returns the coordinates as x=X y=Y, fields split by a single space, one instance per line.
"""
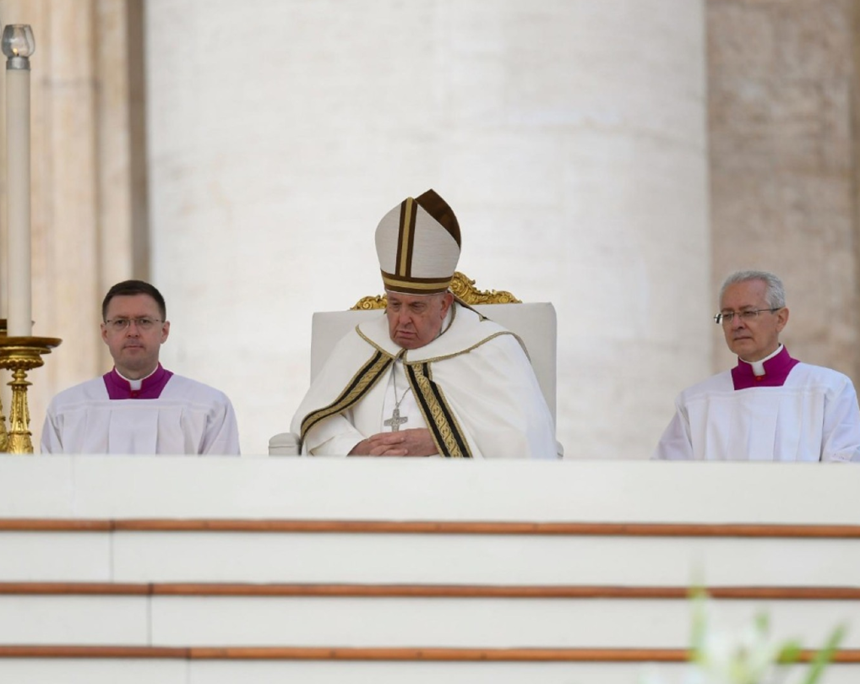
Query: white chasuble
x=473 y=386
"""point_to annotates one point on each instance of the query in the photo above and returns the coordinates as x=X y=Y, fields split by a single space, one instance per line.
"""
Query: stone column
x=783 y=123
x=83 y=197
x=568 y=136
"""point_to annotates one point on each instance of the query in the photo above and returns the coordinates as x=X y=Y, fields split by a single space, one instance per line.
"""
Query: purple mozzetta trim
x=119 y=388
x=776 y=371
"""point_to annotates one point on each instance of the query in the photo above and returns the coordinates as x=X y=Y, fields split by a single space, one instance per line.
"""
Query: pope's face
x=134 y=349
x=758 y=337
x=416 y=320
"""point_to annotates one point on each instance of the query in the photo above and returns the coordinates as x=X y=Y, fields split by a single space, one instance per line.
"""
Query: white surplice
x=813 y=416
x=486 y=378
x=187 y=418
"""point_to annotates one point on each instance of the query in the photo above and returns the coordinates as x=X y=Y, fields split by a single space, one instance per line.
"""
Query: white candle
x=18 y=290
x=18 y=45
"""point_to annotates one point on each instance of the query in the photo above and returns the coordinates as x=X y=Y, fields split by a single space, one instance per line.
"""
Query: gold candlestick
x=19 y=355
x=4 y=438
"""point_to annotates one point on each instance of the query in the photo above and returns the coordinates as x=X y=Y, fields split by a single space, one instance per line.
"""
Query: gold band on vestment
x=444 y=428
x=362 y=382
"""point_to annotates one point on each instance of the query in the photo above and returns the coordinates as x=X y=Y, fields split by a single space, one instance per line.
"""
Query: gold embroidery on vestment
x=448 y=436
x=367 y=376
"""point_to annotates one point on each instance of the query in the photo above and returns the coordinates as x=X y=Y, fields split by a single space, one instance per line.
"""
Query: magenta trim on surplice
x=776 y=371
x=120 y=388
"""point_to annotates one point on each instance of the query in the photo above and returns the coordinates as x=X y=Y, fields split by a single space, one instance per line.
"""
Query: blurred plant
x=748 y=656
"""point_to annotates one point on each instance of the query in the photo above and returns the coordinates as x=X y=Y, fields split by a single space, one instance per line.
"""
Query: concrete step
x=441 y=552
x=400 y=617
x=618 y=668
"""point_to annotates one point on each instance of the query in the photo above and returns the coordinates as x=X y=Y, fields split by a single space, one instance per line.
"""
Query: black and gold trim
x=361 y=383
x=406 y=237
x=419 y=286
x=443 y=425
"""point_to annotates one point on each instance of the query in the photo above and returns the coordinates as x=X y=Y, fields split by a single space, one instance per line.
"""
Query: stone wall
x=782 y=88
x=88 y=179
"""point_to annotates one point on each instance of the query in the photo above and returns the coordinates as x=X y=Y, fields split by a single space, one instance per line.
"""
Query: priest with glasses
x=770 y=407
x=139 y=407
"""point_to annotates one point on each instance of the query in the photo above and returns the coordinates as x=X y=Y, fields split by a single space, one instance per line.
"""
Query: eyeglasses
x=746 y=316
x=143 y=323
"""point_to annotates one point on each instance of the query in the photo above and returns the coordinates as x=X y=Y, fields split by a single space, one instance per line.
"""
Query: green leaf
x=824 y=656
x=762 y=623
x=699 y=598
x=789 y=652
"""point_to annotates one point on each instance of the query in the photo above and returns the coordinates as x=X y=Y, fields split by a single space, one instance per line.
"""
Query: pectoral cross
x=395 y=421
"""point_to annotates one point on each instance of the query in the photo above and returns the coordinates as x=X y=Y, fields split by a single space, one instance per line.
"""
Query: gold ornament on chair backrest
x=462 y=287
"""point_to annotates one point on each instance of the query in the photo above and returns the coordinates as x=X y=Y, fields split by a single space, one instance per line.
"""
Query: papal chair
x=534 y=323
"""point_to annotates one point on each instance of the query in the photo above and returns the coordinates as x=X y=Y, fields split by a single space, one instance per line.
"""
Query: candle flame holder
x=20 y=355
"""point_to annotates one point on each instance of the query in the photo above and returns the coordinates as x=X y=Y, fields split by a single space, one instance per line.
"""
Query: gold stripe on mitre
x=406 y=237
x=415 y=285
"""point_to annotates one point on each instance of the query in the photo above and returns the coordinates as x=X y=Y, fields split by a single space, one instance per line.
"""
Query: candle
x=18 y=45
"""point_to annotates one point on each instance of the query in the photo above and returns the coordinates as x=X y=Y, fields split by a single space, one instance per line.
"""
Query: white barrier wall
x=568 y=136
x=201 y=571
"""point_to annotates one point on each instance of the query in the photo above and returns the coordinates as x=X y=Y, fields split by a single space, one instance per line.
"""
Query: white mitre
x=418 y=245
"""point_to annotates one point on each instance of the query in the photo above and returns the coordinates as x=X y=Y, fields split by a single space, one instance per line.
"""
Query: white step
x=84 y=671
x=137 y=508
x=397 y=622
x=425 y=559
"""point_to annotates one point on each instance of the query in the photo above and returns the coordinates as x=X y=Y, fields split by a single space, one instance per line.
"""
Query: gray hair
x=775 y=293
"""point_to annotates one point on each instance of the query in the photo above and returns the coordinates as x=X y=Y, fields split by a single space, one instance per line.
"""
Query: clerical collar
x=771 y=371
x=149 y=387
